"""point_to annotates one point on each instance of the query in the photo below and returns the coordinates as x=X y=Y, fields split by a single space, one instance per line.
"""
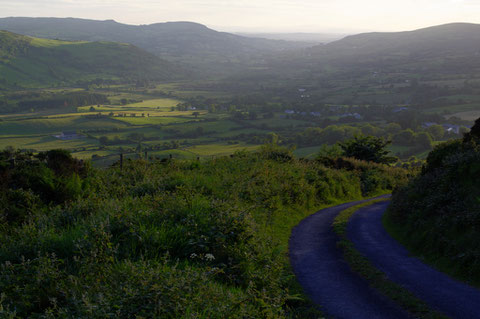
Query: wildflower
x=193 y=255
x=209 y=257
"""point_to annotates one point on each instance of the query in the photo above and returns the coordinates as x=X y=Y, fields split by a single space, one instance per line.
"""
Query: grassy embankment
x=437 y=215
x=174 y=239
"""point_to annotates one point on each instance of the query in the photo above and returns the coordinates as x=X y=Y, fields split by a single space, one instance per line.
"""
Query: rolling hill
x=35 y=62
x=449 y=47
x=171 y=39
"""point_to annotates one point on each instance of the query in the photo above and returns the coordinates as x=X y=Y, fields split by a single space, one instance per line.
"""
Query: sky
x=332 y=16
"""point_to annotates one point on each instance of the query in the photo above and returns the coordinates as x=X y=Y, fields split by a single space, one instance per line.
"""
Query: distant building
x=290 y=111
x=302 y=90
x=69 y=136
x=315 y=113
x=451 y=128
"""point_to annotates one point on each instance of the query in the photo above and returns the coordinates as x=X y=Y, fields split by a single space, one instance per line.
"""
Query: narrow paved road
x=451 y=297
x=319 y=266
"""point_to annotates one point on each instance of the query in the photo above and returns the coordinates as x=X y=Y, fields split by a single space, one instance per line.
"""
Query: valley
x=170 y=170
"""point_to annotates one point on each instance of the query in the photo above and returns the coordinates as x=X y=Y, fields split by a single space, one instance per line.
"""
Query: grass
x=219 y=149
x=468 y=115
x=307 y=152
x=213 y=126
x=44 y=143
x=439 y=262
x=153 y=120
x=376 y=278
x=56 y=125
x=163 y=103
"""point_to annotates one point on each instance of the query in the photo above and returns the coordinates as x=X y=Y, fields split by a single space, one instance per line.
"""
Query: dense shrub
x=439 y=211
x=172 y=239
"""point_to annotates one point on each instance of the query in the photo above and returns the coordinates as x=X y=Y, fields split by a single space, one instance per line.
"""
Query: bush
x=439 y=211
x=168 y=239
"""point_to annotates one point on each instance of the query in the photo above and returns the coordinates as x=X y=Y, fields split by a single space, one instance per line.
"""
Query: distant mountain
x=171 y=39
x=30 y=62
x=456 y=44
x=299 y=36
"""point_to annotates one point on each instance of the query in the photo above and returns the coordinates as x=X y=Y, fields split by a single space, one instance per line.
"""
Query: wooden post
x=121 y=160
x=171 y=156
x=146 y=155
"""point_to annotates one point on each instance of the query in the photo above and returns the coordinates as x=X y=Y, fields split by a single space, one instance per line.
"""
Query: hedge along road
x=326 y=278
x=451 y=297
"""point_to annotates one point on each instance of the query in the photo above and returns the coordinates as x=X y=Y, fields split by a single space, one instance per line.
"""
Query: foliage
x=439 y=211
x=203 y=239
x=368 y=148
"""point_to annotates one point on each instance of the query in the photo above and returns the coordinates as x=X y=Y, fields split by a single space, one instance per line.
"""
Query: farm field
x=177 y=119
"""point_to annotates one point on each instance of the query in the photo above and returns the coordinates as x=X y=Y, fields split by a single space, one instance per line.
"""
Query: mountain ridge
x=180 y=38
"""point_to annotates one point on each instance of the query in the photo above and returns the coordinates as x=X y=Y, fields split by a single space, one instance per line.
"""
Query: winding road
x=321 y=270
x=450 y=297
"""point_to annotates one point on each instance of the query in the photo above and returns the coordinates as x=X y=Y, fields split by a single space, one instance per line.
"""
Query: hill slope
x=452 y=45
x=27 y=61
x=165 y=39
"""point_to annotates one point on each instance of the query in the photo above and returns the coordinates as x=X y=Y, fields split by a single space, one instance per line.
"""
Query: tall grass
x=175 y=239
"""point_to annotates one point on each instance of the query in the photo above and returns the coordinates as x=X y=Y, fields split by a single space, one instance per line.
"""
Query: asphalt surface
x=321 y=270
x=451 y=297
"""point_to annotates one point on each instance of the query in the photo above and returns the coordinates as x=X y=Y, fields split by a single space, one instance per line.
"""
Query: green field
x=219 y=149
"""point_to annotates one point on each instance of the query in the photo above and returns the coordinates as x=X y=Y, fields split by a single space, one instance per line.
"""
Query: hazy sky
x=261 y=15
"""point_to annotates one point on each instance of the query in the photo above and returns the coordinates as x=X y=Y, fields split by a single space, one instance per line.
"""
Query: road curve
x=451 y=297
x=326 y=278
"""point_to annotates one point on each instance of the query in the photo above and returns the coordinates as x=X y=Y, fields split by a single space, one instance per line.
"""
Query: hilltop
x=31 y=62
x=170 y=39
x=445 y=46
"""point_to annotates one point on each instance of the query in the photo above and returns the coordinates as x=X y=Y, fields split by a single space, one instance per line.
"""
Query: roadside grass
x=439 y=262
x=376 y=278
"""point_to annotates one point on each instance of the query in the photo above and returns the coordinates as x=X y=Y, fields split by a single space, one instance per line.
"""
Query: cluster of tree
x=56 y=101
x=131 y=138
x=27 y=180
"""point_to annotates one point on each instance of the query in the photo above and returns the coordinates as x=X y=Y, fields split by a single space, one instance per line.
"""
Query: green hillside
x=172 y=39
x=446 y=47
x=34 y=62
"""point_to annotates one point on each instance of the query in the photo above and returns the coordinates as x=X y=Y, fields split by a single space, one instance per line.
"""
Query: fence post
x=121 y=160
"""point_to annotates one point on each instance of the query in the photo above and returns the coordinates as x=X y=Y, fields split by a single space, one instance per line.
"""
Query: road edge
x=376 y=278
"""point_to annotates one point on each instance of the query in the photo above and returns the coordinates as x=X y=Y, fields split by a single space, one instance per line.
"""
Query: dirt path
x=319 y=266
x=451 y=297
